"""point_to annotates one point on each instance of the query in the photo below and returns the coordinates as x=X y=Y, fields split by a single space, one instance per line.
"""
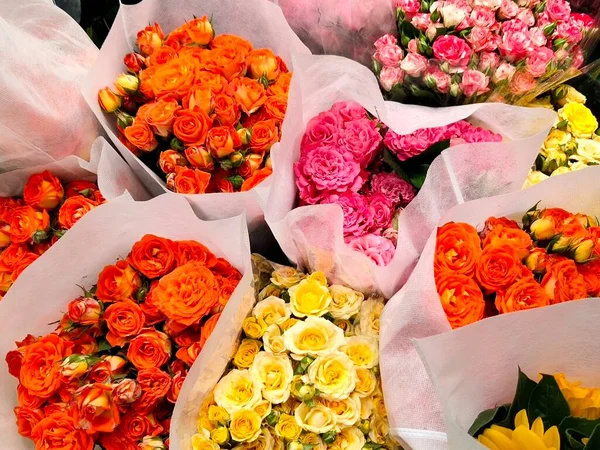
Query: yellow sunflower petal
x=552 y=437
x=501 y=441
x=505 y=431
x=527 y=440
x=521 y=419
x=538 y=427
x=487 y=443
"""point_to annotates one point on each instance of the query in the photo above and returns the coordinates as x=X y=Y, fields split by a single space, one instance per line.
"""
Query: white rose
x=275 y=372
x=314 y=336
x=534 y=177
x=589 y=150
x=238 y=390
x=362 y=350
x=345 y=301
x=272 y=310
x=318 y=419
x=452 y=15
x=369 y=317
x=334 y=375
x=273 y=340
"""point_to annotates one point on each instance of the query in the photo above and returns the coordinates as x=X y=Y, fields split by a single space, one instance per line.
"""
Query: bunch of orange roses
x=31 y=225
x=112 y=370
x=204 y=110
x=551 y=258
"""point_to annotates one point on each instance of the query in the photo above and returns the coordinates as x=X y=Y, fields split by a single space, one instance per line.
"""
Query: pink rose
x=408 y=145
x=471 y=133
x=515 y=45
x=577 y=58
x=452 y=49
x=488 y=61
x=521 y=83
x=570 y=30
x=538 y=60
x=508 y=9
x=379 y=249
x=413 y=46
x=389 y=56
x=479 y=37
x=503 y=72
x=358 y=214
x=452 y=15
x=524 y=3
x=558 y=10
x=526 y=16
x=537 y=37
x=361 y=138
x=436 y=79
x=409 y=7
x=382 y=212
x=513 y=26
x=482 y=17
x=395 y=189
x=474 y=83
x=586 y=20
x=544 y=20
x=321 y=130
x=391 y=234
x=414 y=64
x=390 y=77
x=348 y=111
x=385 y=40
x=421 y=21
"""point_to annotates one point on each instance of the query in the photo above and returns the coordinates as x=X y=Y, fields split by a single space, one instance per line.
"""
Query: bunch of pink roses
x=465 y=51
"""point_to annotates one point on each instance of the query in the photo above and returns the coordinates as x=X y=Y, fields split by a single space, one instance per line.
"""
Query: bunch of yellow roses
x=305 y=373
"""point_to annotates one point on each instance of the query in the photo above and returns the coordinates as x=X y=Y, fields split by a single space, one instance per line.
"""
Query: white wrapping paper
x=259 y=21
x=416 y=312
x=475 y=368
x=100 y=238
x=313 y=235
x=45 y=56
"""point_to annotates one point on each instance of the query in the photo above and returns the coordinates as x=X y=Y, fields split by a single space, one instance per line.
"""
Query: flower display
x=32 y=223
x=201 y=110
x=507 y=267
x=351 y=159
x=111 y=372
x=305 y=371
x=457 y=52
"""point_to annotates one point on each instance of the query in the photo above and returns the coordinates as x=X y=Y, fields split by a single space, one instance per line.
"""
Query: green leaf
x=574 y=439
x=548 y=402
x=525 y=387
x=103 y=346
x=594 y=442
x=417 y=177
x=577 y=427
x=391 y=161
x=236 y=181
x=487 y=418
x=409 y=30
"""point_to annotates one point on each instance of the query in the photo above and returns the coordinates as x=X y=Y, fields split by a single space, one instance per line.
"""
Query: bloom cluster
x=459 y=51
x=112 y=370
x=203 y=109
x=32 y=224
x=305 y=372
x=572 y=143
x=506 y=268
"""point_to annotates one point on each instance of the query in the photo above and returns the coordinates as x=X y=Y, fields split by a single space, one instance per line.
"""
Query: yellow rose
x=317 y=419
x=245 y=426
x=534 y=177
x=582 y=122
x=572 y=96
x=204 y=422
x=288 y=324
x=362 y=350
x=309 y=298
x=216 y=414
x=345 y=325
x=278 y=443
x=263 y=409
x=561 y=170
x=287 y=427
x=285 y=277
x=366 y=382
x=314 y=441
x=379 y=430
x=265 y=441
x=350 y=438
x=273 y=340
x=275 y=373
x=366 y=407
x=238 y=390
x=334 y=375
x=254 y=328
x=314 y=336
x=369 y=317
x=556 y=138
x=220 y=435
x=379 y=406
x=246 y=353
x=543 y=102
x=272 y=310
x=199 y=442
x=319 y=277
x=345 y=301
x=589 y=150
x=347 y=411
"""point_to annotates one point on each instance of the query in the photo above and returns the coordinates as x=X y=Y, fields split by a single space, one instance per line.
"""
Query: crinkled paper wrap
x=415 y=311
x=45 y=56
x=313 y=235
x=259 y=21
x=98 y=239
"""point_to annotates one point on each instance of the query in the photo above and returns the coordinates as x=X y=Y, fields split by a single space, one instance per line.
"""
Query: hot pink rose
x=409 y=145
x=358 y=214
x=395 y=189
x=515 y=45
x=348 y=111
x=385 y=40
x=452 y=49
x=538 y=60
x=521 y=83
x=413 y=46
x=537 y=36
x=414 y=64
x=558 y=9
x=472 y=134
x=361 y=138
x=379 y=249
x=586 y=20
x=421 y=21
x=321 y=131
x=410 y=7
x=474 y=83
x=436 y=79
x=390 y=77
x=508 y=9
x=389 y=56
x=382 y=212
x=544 y=20
x=482 y=17
x=504 y=71
x=526 y=16
x=488 y=61
x=570 y=30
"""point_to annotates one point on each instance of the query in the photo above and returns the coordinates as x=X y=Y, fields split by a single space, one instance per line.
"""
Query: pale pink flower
x=526 y=16
x=452 y=15
x=488 y=61
x=410 y=7
x=390 y=77
x=474 y=82
x=413 y=46
x=389 y=56
x=521 y=83
x=537 y=36
x=503 y=72
x=379 y=249
x=515 y=45
x=385 y=40
x=491 y=4
x=395 y=189
x=421 y=21
x=479 y=38
x=538 y=60
x=391 y=233
x=414 y=64
x=453 y=50
x=558 y=10
x=358 y=214
x=438 y=80
x=482 y=17
x=508 y=9
x=577 y=58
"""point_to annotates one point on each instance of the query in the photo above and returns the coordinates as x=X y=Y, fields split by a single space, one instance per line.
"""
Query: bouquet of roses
x=457 y=52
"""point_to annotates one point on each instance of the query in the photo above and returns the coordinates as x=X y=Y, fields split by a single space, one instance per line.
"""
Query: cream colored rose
x=200 y=442
x=572 y=96
x=314 y=336
x=379 y=430
x=309 y=298
x=379 y=406
x=287 y=427
x=366 y=382
x=347 y=411
x=366 y=407
x=278 y=443
x=588 y=149
x=272 y=310
x=345 y=302
x=317 y=419
x=245 y=426
x=334 y=375
x=534 y=177
x=273 y=340
x=350 y=438
x=556 y=139
x=562 y=170
x=263 y=409
x=265 y=441
x=369 y=317
x=275 y=373
x=285 y=277
x=362 y=350
x=238 y=390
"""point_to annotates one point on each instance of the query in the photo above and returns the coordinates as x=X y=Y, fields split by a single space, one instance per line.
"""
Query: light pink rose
x=526 y=16
x=383 y=212
x=439 y=80
x=491 y=4
x=348 y=111
x=385 y=40
x=515 y=45
x=503 y=72
x=389 y=56
x=561 y=54
x=482 y=17
x=522 y=82
x=390 y=77
x=453 y=50
x=414 y=64
x=391 y=234
x=513 y=26
x=508 y=9
x=452 y=15
x=524 y=3
x=395 y=189
x=544 y=20
x=488 y=61
x=474 y=82
x=479 y=38
x=410 y=7
x=413 y=46
x=421 y=21
x=432 y=30
x=361 y=138
x=558 y=9
x=538 y=60
x=321 y=130
x=358 y=213
x=570 y=30
x=537 y=37
x=577 y=58
x=378 y=248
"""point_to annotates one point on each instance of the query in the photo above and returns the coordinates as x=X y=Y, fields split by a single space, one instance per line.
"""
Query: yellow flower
x=309 y=298
x=350 y=438
x=265 y=441
x=534 y=177
x=366 y=382
x=314 y=336
x=254 y=328
x=288 y=324
x=522 y=437
x=272 y=310
x=288 y=428
x=366 y=407
x=285 y=277
x=317 y=419
x=556 y=138
x=345 y=325
x=314 y=440
x=289 y=406
x=572 y=96
x=319 y=277
x=334 y=375
x=220 y=435
x=561 y=171
x=379 y=430
x=345 y=301
x=369 y=317
x=238 y=390
x=199 y=442
x=216 y=414
x=582 y=122
x=246 y=353
x=362 y=350
x=379 y=406
x=347 y=411
x=127 y=84
x=543 y=102
x=275 y=373
x=583 y=402
x=245 y=426
x=273 y=340
x=108 y=100
x=263 y=409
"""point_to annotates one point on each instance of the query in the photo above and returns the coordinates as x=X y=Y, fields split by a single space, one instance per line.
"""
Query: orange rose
x=461 y=298
x=126 y=392
x=225 y=269
x=222 y=141
x=191 y=181
x=191 y=126
x=199 y=97
x=258 y=177
x=11 y=256
x=187 y=294
x=249 y=94
x=43 y=190
x=457 y=248
x=117 y=441
x=517 y=239
x=40 y=368
x=224 y=185
x=151 y=348
x=82 y=187
x=176 y=385
x=170 y=160
x=226 y=111
x=200 y=31
x=276 y=106
x=150 y=308
x=162 y=56
x=591 y=275
x=200 y=158
x=4 y=235
x=27 y=399
x=96 y=411
x=155 y=385
x=563 y=282
x=175 y=77
x=150 y=39
x=281 y=86
x=188 y=251
x=27 y=419
x=160 y=116
x=498 y=267
x=26 y=222
x=108 y=369
x=227 y=61
x=73 y=209
x=208 y=328
x=123 y=319
x=215 y=81
x=59 y=431
x=262 y=62
x=153 y=256
x=145 y=77
x=134 y=62
x=84 y=311
x=14 y=359
x=23 y=264
x=226 y=288
x=250 y=165
x=6 y=282
x=117 y=282
x=135 y=426
x=264 y=135
x=140 y=135
x=524 y=294
x=189 y=354
x=231 y=40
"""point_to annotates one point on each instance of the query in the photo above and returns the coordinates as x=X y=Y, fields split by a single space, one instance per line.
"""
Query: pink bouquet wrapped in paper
x=467 y=51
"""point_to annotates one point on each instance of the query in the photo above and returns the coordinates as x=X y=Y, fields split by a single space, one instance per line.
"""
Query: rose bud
x=295 y=445
x=127 y=84
x=583 y=251
x=127 y=392
x=262 y=63
x=301 y=391
x=268 y=163
x=236 y=159
x=200 y=158
x=43 y=190
x=170 y=181
x=74 y=367
x=117 y=364
x=84 y=311
x=170 y=159
x=200 y=31
x=134 y=62
x=542 y=229
x=220 y=435
x=224 y=185
x=152 y=443
x=537 y=260
x=150 y=39
x=108 y=100
x=245 y=134
x=4 y=235
x=175 y=388
x=128 y=104
x=96 y=410
x=222 y=141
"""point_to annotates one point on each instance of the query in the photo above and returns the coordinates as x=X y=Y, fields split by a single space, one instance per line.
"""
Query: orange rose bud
x=258 y=177
x=134 y=62
x=200 y=158
x=200 y=31
x=224 y=185
x=176 y=384
x=281 y=87
x=191 y=181
x=28 y=224
x=43 y=190
x=123 y=319
x=521 y=295
x=498 y=267
x=189 y=354
x=461 y=298
x=262 y=63
x=73 y=209
x=58 y=427
x=126 y=392
x=149 y=39
x=225 y=109
x=169 y=160
x=97 y=413
x=222 y=141
x=200 y=97
x=108 y=100
x=276 y=106
x=141 y=136
x=563 y=282
x=127 y=84
x=150 y=348
x=191 y=126
x=27 y=419
x=117 y=282
x=84 y=311
x=170 y=181
x=264 y=135
x=153 y=256
x=161 y=116
x=249 y=94
x=458 y=248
